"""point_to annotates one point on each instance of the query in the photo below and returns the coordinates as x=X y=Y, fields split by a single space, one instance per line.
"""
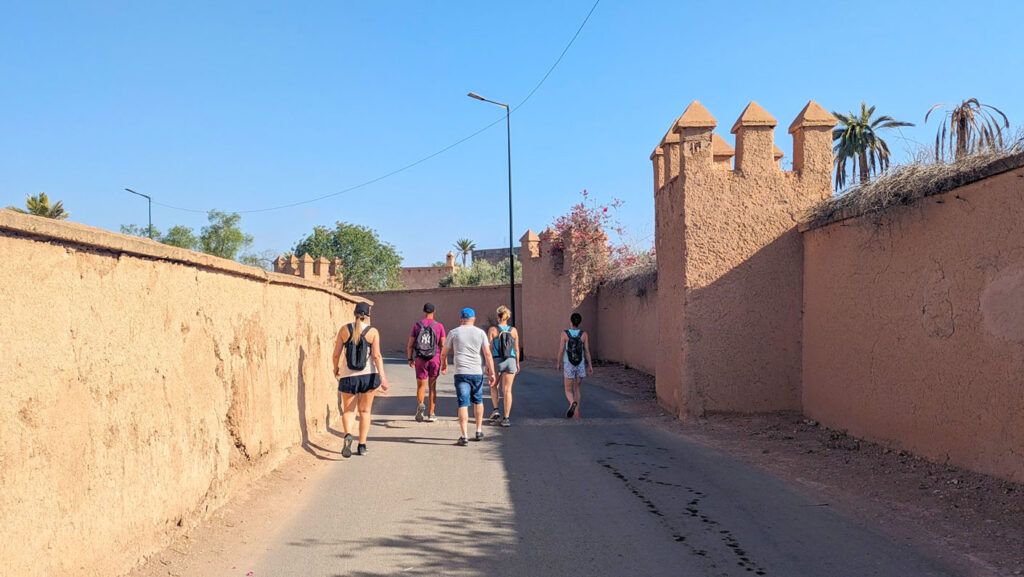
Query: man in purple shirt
x=424 y=354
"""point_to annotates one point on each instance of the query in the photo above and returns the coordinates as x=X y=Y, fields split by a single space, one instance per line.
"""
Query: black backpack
x=425 y=345
x=574 y=348
x=356 y=352
x=506 y=345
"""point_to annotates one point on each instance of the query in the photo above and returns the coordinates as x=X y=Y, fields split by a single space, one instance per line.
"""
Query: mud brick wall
x=141 y=385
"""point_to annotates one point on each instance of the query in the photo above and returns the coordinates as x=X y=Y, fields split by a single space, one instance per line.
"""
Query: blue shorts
x=469 y=388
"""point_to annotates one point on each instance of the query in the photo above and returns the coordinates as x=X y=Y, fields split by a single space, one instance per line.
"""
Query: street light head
x=475 y=95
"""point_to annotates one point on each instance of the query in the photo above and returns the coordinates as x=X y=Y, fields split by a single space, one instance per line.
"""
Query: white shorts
x=571 y=371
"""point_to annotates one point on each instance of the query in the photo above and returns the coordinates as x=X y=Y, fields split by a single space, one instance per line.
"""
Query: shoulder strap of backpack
x=351 y=332
x=362 y=335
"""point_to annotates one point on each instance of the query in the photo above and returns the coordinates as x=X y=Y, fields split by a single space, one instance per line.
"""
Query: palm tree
x=856 y=137
x=39 y=205
x=972 y=128
x=464 y=246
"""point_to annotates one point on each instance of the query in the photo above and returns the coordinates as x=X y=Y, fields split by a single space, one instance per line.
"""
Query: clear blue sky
x=252 y=105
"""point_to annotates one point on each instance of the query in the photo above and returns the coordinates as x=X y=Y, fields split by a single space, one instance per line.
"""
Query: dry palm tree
x=464 y=246
x=857 y=138
x=39 y=205
x=973 y=127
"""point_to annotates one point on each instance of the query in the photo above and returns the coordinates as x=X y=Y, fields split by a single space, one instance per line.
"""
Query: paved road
x=606 y=495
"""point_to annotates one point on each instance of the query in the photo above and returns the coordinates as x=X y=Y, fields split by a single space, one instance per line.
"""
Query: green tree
x=483 y=273
x=856 y=138
x=464 y=246
x=222 y=237
x=39 y=205
x=368 y=263
x=264 y=260
x=136 y=230
x=180 y=236
x=972 y=127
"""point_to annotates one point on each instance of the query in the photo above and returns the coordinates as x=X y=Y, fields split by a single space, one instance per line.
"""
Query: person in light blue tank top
x=574 y=356
x=507 y=355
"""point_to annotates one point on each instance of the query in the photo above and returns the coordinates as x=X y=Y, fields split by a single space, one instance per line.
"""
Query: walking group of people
x=493 y=356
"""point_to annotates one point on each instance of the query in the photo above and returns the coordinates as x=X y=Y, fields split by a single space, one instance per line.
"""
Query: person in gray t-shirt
x=472 y=361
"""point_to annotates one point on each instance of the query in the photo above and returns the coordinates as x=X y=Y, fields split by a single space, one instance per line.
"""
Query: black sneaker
x=462 y=442
x=362 y=450
x=419 y=412
x=495 y=414
x=347 y=450
x=506 y=423
x=479 y=436
x=572 y=411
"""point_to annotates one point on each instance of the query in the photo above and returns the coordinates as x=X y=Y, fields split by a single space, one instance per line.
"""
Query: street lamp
x=511 y=254
x=150 y=230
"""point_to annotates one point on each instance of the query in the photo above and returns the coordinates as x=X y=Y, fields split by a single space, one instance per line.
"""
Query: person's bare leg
x=506 y=386
x=464 y=420
x=496 y=395
x=433 y=394
x=347 y=406
x=478 y=412
x=365 y=404
x=570 y=395
x=577 y=394
x=421 y=389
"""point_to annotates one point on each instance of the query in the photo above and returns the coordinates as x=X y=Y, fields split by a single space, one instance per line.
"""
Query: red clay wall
x=141 y=384
x=914 y=326
x=627 y=324
x=394 y=312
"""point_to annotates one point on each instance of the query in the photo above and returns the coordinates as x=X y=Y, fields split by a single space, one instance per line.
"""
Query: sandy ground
x=971 y=521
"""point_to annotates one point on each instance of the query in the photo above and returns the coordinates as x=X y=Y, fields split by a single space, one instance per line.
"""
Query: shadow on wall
x=742 y=349
x=307 y=445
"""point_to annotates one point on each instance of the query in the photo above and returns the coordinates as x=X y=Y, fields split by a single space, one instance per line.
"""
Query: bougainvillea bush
x=581 y=235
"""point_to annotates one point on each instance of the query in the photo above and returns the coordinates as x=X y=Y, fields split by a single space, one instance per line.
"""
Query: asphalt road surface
x=604 y=495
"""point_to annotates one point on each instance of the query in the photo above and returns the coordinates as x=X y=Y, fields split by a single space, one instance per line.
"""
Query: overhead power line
x=417 y=162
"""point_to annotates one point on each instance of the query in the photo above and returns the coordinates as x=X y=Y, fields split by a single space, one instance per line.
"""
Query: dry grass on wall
x=637 y=280
x=907 y=183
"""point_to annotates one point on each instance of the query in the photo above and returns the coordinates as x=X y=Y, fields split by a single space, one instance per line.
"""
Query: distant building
x=421 y=277
x=493 y=255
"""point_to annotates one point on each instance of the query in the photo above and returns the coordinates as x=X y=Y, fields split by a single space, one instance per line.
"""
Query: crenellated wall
x=141 y=385
x=730 y=260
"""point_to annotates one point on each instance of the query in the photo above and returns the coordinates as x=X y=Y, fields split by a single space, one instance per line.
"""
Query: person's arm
x=408 y=351
x=519 y=350
x=342 y=337
x=586 y=353
x=485 y=350
x=378 y=359
x=561 y=351
x=444 y=357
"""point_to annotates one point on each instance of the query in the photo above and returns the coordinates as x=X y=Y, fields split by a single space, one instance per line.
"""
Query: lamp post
x=149 y=231
x=511 y=253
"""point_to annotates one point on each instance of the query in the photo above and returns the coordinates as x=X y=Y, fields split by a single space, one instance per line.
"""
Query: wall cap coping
x=435 y=289
x=777 y=153
x=530 y=236
x=657 y=152
x=73 y=233
x=813 y=115
x=720 y=148
x=754 y=115
x=695 y=116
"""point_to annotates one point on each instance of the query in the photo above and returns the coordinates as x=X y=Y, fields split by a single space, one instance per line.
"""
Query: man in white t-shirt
x=472 y=354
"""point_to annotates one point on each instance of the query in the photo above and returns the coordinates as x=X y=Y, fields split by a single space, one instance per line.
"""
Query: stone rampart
x=730 y=260
x=142 y=385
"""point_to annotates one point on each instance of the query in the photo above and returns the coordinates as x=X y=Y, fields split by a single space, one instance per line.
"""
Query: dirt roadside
x=973 y=522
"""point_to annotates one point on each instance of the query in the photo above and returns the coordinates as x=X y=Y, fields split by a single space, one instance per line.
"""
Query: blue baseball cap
x=468 y=313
